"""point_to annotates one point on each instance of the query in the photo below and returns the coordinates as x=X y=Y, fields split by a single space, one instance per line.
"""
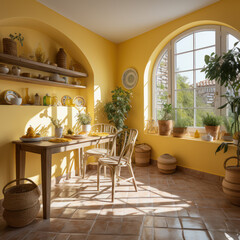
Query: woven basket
x=21 y=218
x=61 y=58
x=21 y=196
x=9 y=46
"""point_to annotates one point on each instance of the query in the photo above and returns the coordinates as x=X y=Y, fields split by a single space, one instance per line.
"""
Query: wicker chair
x=100 y=149
x=126 y=140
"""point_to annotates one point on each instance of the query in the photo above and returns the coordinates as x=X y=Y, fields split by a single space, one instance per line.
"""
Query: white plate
x=79 y=101
x=130 y=78
x=31 y=139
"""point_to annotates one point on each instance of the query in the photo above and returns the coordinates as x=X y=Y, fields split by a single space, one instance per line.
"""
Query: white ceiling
x=119 y=20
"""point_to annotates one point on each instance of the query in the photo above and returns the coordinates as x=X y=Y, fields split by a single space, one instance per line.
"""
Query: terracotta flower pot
x=179 y=131
x=213 y=131
x=165 y=127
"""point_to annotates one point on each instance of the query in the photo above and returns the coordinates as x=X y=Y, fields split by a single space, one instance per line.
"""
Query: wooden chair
x=126 y=140
x=100 y=149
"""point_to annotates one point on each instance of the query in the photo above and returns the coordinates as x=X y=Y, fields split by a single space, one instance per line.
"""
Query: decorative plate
x=38 y=139
x=64 y=99
x=79 y=101
x=9 y=94
x=130 y=78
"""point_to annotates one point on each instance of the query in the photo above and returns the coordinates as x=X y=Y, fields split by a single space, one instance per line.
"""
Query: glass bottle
x=36 y=99
x=45 y=100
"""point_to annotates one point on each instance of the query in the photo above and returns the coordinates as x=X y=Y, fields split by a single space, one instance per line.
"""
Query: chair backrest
x=125 y=140
x=104 y=127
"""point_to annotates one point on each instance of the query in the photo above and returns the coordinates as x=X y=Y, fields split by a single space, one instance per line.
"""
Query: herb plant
x=84 y=118
x=167 y=112
x=211 y=120
x=19 y=37
x=56 y=122
x=117 y=110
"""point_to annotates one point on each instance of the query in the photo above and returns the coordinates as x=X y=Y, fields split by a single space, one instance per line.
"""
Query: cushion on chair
x=97 y=151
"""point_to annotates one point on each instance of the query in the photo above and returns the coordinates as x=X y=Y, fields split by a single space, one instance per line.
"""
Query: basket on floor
x=21 y=204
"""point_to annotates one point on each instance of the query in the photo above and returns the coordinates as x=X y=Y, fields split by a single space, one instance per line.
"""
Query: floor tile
x=193 y=223
x=77 y=226
x=167 y=234
x=196 y=235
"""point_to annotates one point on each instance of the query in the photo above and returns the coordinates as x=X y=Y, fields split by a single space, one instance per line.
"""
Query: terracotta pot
x=179 y=131
x=213 y=131
x=231 y=184
x=9 y=46
x=165 y=127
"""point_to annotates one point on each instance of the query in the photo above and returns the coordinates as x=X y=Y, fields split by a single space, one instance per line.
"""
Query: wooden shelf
x=6 y=58
x=9 y=77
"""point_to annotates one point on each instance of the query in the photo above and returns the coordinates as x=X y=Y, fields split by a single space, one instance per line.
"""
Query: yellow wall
x=140 y=53
x=40 y=25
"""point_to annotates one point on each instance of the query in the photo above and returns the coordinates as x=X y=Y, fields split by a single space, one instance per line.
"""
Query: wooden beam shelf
x=15 y=78
x=6 y=58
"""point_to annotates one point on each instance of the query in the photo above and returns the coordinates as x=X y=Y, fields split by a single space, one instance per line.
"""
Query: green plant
x=117 y=110
x=167 y=112
x=181 y=123
x=211 y=120
x=55 y=122
x=19 y=37
x=228 y=125
x=84 y=118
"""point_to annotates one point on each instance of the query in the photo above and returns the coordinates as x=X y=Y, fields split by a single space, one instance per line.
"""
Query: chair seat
x=97 y=151
x=112 y=161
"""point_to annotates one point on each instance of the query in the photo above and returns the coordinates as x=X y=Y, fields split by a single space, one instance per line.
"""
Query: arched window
x=177 y=76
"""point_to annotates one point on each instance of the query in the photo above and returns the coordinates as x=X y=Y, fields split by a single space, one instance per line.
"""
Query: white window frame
x=221 y=45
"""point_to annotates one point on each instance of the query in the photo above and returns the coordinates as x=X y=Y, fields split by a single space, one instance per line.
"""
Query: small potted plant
x=180 y=128
x=58 y=127
x=10 y=46
x=212 y=124
x=228 y=135
x=165 y=123
x=85 y=120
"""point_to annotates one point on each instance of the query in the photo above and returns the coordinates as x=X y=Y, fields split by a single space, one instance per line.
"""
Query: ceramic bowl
x=4 y=70
x=54 y=77
x=16 y=101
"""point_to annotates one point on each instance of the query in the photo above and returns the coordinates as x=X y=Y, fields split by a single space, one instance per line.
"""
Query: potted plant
x=212 y=124
x=228 y=135
x=10 y=46
x=58 y=127
x=165 y=123
x=225 y=70
x=85 y=120
x=117 y=110
x=180 y=128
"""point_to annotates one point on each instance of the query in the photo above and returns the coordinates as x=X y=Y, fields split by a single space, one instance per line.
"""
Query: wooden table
x=46 y=149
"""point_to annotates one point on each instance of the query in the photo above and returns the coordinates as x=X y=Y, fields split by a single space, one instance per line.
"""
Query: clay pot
x=9 y=46
x=61 y=58
x=231 y=184
x=213 y=131
x=179 y=131
x=165 y=127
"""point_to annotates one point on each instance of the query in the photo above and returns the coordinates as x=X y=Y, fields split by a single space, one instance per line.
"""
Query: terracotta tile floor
x=168 y=207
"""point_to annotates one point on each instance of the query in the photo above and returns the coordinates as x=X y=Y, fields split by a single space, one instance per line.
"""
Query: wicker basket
x=9 y=46
x=167 y=164
x=21 y=196
x=61 y=58
x=21 y=218
x=21 y=204
x=142 y=155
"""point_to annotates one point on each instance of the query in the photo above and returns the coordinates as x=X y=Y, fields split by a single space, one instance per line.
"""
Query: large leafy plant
x=225 y=69
x=117 y=110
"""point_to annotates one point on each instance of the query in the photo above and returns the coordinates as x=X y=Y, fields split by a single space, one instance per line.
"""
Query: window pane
x=204 y=39
x=186 y=114
x=184 y=62
x=200 y=54
x=161 y=97
x=205 y=96
x=185 y=44
x=200 y=76
x=184 y=80
x=184 y=99
x=230 y=41
x=199 y=115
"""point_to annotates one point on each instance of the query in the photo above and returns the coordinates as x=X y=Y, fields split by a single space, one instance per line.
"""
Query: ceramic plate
x=75 y=136
x=9 y=94
x=64 y=98
x=31 y=139
x=79 y=101
x=130 y=78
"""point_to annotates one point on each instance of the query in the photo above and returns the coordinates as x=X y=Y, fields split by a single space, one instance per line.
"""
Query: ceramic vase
x=86 y=128
x=58 y=132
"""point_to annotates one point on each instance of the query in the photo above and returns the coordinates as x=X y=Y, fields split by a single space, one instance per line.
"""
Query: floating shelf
x=9 y=77
x=6 y=58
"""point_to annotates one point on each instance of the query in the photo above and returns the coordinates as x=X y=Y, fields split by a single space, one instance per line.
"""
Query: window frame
x=220 y=44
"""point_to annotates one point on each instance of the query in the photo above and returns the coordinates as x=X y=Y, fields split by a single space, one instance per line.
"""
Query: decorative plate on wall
x=65 y=99
x=79 y=101
x=130 y=78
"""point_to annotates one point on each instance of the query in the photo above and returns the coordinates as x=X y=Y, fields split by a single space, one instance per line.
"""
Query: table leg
x=80 y=160
x=20 y=163
x=46 y=165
